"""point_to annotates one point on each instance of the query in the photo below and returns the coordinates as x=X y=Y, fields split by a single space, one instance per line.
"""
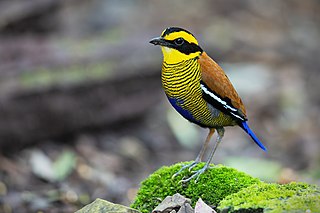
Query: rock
x=202 y=207
x=173 y=203
x=103 y=206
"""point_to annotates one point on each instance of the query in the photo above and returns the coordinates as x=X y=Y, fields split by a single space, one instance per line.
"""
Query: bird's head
x=177 y=45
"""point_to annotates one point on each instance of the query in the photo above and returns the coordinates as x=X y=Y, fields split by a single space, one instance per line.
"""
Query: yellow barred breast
x=181 y=82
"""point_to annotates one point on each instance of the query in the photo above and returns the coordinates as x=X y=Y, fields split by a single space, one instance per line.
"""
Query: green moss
x=212 y=186
x=274 y=198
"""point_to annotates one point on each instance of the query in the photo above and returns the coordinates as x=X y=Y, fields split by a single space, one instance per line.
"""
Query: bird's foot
x=196 y=174
x=190 y=166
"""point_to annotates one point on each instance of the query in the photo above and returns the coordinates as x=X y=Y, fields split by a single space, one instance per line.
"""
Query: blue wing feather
x=246 y=128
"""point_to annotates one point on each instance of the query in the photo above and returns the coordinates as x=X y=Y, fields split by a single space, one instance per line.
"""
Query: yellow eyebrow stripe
x=186 y=36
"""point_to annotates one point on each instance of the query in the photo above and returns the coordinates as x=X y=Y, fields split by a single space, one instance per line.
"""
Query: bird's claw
x=195 y=175
x=190 y=166
x=175 y=174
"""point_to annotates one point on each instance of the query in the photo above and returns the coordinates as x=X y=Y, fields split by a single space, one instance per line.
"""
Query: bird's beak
x=159 y=41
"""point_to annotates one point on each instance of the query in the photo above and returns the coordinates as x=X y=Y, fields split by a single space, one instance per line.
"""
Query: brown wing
x=216 y=80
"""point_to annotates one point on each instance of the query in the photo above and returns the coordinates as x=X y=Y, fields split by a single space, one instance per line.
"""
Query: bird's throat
x=173 y=56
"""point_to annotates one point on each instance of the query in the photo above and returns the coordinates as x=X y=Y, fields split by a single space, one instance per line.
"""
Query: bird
x=198 y=88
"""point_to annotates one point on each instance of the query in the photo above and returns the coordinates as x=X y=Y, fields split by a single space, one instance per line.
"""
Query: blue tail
x=246 y=128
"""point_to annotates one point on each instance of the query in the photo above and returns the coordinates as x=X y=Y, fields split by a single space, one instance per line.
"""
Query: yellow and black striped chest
x=181 y=82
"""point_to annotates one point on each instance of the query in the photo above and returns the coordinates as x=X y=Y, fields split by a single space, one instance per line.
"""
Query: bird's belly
x=194 y=108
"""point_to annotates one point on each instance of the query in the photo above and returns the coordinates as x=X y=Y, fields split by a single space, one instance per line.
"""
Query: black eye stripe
x=186 y=48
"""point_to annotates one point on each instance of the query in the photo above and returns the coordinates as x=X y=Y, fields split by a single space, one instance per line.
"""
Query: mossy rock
x=212 y=186
x=273 y=198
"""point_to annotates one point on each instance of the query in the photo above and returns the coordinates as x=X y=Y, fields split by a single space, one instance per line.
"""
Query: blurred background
x=83 y=114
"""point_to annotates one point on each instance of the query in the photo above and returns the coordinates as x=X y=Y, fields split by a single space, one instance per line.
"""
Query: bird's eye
x=179 y=41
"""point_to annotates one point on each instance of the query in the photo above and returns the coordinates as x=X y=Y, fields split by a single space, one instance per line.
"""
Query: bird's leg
x=206 y=166
x=203 y=149
x=199 y=157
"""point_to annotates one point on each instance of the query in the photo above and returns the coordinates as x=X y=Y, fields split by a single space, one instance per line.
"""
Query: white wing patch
x=224 y=104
